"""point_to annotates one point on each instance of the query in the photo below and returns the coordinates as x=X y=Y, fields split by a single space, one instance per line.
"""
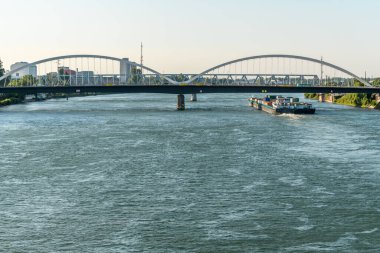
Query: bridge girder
x=188 y=89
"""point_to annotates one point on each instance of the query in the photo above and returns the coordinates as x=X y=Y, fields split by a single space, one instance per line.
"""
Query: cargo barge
x=280 y=105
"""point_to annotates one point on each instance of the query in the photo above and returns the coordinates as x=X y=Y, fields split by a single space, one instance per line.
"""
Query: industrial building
x=31 y=70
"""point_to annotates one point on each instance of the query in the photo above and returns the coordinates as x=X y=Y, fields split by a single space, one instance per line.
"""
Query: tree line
x=2 y=71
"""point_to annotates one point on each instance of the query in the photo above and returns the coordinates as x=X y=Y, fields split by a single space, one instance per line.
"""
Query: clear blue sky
x=192 y=35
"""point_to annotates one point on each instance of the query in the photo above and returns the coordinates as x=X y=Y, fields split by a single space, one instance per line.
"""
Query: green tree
x=376 y=82
x=51 y=78
x=312 y=95
x=2 y=71
x=136 y=75
x=180 y=78
x=27 y=80
x=358 y=83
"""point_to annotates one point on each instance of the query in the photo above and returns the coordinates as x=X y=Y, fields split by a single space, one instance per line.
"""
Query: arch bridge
x=261 y=73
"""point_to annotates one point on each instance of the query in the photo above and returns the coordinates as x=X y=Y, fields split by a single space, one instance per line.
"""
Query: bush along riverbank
x=360 y=100
x=363 y=100
x=7 y=99
x=314 y=96
x=10 y=100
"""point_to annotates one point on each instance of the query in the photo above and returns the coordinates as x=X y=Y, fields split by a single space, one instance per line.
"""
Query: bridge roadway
x=185 y=89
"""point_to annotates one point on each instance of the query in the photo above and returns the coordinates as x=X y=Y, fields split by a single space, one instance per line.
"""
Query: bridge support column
x=181 y=102
x=378 y=97
x=193 y=97
x=321 y=97
x=332 y=98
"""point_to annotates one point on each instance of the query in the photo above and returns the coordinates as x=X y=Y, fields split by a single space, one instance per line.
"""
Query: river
x=129 y=173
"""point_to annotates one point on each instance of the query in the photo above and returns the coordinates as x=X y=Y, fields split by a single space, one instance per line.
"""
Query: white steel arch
x=283 y=56
x=85 y=56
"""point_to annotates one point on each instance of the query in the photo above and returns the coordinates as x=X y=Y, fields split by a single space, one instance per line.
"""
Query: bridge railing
x=271 y=79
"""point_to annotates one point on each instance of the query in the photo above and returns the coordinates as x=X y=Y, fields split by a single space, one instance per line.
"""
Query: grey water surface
x=128 y=173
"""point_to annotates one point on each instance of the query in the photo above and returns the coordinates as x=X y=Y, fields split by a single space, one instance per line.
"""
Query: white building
x=31 y=70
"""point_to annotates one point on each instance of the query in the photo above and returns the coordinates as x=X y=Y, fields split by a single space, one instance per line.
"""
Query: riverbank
x=10 y=100
x=6 y=100
x=362 y=100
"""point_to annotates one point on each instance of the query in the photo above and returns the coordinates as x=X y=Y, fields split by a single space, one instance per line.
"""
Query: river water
x=128 y=173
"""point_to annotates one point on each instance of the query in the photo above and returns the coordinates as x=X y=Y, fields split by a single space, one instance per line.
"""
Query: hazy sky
x=192 y=35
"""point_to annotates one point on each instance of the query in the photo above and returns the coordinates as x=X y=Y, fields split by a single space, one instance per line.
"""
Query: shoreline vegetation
x=10 y=100
x=362 y=100
x=6 y=100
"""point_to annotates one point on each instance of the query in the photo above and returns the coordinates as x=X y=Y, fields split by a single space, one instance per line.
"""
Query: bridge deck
x=189 y=89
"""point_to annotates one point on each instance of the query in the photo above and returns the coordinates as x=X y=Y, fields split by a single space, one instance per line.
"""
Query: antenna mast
x=321 y=81
x=141 y=58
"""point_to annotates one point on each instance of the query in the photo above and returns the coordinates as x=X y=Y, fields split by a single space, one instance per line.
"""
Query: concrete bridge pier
x=377 y=97
x=332 y=98
x=321 y=97
x=193 y=98
x=180 y=102
x=329 y=98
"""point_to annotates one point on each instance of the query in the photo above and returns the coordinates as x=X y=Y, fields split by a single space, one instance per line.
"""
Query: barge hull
x=268 y=109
